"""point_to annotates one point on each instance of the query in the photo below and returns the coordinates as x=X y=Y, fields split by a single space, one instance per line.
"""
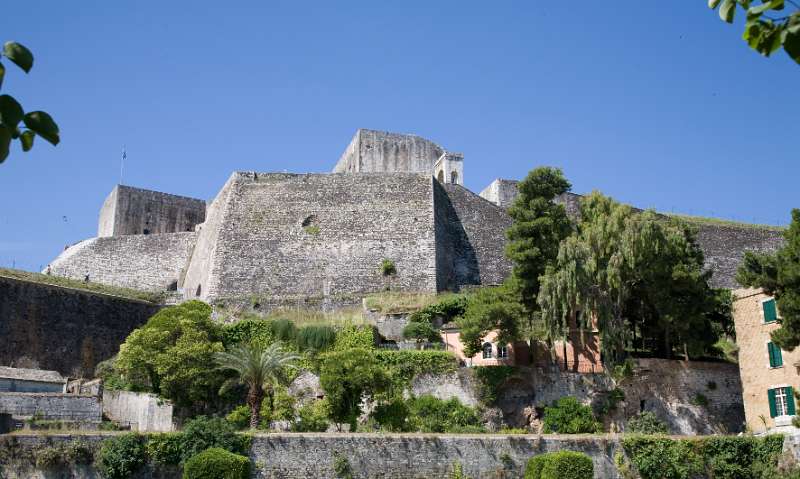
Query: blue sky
x=658 y=104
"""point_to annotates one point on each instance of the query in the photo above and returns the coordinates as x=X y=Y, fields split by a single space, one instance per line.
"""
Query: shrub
x=430 y=414
x=217 y=463
x=718 y=457
x=313 y=417
x=239 y=418
x=405 y=364
x=351 y=336
x=388 y=268
x=165 y=448
x=341 y=467
x=253 y=329
x=121 y=456
x=699 y=400
x=447 y=309
x=646 y=423
x=421 y=332
x=568 y=416
x=315 y=337
x=283 y=330
x=203 y=433
x=560 y=465
x=49 y=458
x=491 y=380
x=393 y=415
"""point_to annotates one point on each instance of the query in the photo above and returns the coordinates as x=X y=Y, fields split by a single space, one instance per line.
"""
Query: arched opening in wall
x=454 y=177
x=440 y=177
x=146 y=231
x=310 y=220
x=487 y=350
x=173 y=286
x=199 y=290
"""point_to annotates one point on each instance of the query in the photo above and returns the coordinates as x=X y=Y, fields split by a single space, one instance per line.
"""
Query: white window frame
x=483 y=351
x=781 y=402
x=502 y=352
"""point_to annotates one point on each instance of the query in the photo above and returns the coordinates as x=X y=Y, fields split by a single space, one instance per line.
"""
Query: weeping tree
x=259 y=368
x=626 y=271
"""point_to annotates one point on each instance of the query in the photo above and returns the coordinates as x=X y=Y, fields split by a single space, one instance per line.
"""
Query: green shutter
x=773 y=410
x=770 y=312
x=789 y=401
x=775 y=355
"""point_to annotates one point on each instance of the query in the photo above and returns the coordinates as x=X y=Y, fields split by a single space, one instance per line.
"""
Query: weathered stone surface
x=500 y=192
x=146 y=262
x=135 y=211
x=55 y=406
x=372 y=151
x=66 y=330
x=460 y=384
x=291 y=237
x=144 y=412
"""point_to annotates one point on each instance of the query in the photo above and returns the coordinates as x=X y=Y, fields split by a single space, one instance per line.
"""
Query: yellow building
x=769 y=375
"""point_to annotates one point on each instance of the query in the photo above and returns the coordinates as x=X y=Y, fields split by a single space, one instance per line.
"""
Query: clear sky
x=659 y=104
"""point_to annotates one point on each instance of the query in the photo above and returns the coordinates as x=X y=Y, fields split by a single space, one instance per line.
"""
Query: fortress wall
x=373 y=151
x=132 y=211
x=62 y=329
x=198 y=270
x=479 y=227
x=145 y=262
x=456 y=259
x=724 y=247
x=501 y=192
x=290 y=237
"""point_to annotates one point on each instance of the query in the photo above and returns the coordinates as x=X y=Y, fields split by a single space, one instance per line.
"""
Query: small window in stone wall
x=199 y=290
x=502 y=352
x=146 y=231
x=173 y=286
x=487 y=350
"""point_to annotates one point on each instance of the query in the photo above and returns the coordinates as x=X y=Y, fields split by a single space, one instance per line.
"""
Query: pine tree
x=779 y=275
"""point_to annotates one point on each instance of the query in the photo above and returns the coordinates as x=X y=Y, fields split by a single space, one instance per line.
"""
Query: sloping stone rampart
x=292 y=237
x=146 y=262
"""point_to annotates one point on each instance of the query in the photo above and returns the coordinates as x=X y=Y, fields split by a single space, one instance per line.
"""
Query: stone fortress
x=320 y=239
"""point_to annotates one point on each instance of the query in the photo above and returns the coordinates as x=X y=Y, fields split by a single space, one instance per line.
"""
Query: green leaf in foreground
x=44 y=126
x=5 y=142
x=11 y=112
x=18 y=54
x=27 y=140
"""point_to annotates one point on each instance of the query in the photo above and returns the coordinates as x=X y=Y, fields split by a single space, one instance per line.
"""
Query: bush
x=421 y=332
x=388 y=268
x=646 y=423
x=430 y=414
x=568 y=416
x=203 y=433
x=315 y=337
x=313 y=417
x=121 y=456
x=49 y=458
x=740 y=457
x=217 y=463
x=491 y=380
x=560 y=465
x=448 y=308
x=165 y=448
x=699 y=399
x=352 y=336
x=393 y=415
x=239 y=418
x=405 y=364
x=249 y=330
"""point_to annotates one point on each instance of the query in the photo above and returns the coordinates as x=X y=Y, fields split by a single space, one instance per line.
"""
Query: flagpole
x=122 y=163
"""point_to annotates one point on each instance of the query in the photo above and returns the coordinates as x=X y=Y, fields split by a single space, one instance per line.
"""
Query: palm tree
x=260 y=369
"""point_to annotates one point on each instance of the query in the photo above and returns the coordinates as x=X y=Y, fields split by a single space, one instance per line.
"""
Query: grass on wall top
x=151 y=297
x=702 y=220
x=390 y=302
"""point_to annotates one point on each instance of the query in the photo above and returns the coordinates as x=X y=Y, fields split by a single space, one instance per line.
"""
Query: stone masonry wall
x=52 y=406
x=135 y=211
x=62 y=329
x=146 y=262
x=372 y=151
x=144 y=412
x=477 y=234
x=500 y=192
x=289 y=237
x=312 y=455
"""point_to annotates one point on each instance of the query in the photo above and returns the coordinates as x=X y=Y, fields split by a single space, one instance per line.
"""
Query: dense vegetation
x=560 y=465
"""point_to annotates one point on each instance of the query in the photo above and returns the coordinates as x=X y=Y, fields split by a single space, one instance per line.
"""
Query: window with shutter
x=770 y=311
x=790 y=410
x=773 y=410
x=775 y=355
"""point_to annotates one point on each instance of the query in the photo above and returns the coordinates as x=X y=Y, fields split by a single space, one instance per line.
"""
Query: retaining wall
x=47 y=406
x=144 y=412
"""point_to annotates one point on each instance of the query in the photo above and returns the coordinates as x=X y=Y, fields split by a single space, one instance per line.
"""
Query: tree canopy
x=624 y=271
x=173 y=353
x=779 y=275
x=12 y=114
